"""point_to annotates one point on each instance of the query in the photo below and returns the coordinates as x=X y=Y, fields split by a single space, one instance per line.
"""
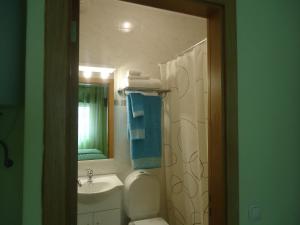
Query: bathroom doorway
x=222 y=169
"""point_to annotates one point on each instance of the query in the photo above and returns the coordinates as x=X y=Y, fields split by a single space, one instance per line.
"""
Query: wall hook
x=7 y=161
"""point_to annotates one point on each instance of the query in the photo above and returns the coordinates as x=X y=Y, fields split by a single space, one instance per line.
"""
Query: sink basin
x=101 y=184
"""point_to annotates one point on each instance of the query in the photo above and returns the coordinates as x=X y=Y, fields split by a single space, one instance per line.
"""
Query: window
x=83 y=123
x=92 y=122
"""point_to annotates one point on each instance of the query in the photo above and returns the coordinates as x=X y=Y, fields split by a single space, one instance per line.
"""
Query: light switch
x=254 y=213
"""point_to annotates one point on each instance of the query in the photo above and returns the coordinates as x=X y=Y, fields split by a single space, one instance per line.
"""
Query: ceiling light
x=126 y=27
x=104 y=71
x=87 y=74
x=104 y=75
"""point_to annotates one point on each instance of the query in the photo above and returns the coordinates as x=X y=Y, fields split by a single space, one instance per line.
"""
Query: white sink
x=101 y=184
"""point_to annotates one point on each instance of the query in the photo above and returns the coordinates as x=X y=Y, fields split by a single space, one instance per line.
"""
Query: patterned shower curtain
x=186 y=137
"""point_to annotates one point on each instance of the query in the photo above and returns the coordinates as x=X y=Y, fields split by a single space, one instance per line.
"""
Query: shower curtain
x=186 y=137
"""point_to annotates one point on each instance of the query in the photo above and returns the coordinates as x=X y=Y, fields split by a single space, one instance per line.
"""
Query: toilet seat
x=152 y=221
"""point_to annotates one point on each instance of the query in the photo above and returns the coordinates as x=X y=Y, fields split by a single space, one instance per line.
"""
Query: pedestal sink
x=100 y=185
x=100 y=200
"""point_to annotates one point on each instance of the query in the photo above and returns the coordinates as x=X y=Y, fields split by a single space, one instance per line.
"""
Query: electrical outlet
x=254 y=213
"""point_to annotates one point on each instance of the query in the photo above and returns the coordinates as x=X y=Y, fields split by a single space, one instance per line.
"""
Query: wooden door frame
x=59 y=191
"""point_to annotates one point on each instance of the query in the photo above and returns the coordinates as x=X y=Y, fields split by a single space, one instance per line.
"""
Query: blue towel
x=136 y=126
x=137 y=104
x=146 y=153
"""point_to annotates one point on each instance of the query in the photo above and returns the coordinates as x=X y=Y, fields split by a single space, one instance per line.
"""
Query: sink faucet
x=90 y=174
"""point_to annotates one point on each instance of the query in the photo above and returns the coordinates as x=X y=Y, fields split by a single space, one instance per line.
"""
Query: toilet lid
x=152 y=221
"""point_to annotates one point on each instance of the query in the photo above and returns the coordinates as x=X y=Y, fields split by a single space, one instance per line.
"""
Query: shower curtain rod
x=186 y=50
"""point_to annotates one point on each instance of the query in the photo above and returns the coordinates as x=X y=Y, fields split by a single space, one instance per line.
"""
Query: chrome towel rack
x=123 y=91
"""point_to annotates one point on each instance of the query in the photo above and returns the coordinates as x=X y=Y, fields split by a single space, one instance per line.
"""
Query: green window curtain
x=93 y=105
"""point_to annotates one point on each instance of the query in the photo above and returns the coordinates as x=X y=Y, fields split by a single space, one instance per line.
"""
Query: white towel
x=150 y=83
x=142 y=77
x=134 y=73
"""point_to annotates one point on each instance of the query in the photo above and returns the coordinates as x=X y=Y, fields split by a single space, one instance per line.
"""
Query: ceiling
x=157 y=35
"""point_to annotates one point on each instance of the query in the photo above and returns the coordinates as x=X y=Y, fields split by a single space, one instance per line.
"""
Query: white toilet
x=142 y=199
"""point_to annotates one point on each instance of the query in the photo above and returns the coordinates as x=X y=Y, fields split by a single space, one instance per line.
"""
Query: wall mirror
x=95 y=118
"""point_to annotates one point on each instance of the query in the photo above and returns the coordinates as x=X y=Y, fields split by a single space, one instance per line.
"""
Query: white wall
x=158 y=35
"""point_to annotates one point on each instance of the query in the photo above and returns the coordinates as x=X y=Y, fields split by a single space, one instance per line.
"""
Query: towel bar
x=122 y=92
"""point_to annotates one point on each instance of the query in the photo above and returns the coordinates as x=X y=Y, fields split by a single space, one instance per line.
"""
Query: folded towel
x=151 y=83
x=89 y=151
x=90 y=154
x=142 y=77
x=135 y=120
x=134 y=73
x=146 y=153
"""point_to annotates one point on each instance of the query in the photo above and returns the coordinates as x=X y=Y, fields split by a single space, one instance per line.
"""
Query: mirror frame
x=97 y=80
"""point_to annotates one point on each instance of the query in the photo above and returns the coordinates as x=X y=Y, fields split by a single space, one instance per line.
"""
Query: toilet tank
x=142 y=195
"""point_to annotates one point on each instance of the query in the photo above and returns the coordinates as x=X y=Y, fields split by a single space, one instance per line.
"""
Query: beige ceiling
x=158 y=35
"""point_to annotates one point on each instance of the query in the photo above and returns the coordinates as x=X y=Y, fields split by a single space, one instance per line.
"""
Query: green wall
x=12 y=44
x=12 y=57
x=33 y=140
x=11 y=131
x=269 y=109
